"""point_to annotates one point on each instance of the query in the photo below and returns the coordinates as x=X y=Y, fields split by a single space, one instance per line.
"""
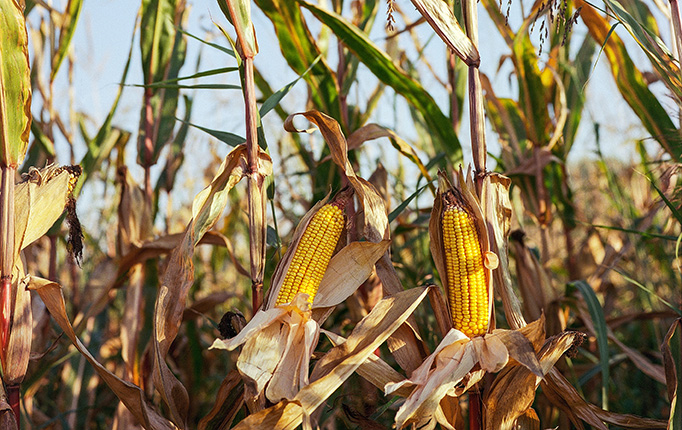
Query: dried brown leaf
x=441 y=18
x=375 y=221
x=229 y=400
x=131 y=395
x=207 y=206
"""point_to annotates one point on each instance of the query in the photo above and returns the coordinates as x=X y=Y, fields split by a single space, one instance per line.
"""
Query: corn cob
x=312 y=254
x=467 y=288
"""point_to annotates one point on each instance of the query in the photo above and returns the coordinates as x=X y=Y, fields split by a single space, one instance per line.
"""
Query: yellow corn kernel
x=312 y=254
x=467 y=288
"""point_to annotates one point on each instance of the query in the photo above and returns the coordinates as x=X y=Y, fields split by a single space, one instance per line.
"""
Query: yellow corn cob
x=312 y=254
x=466 y=281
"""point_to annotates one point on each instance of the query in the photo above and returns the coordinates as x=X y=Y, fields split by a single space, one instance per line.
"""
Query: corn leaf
x=347 y=270
x=163 y=50
x=631 y=83
x=15 y=84
x=672 y=357
x=597 y=315
x=131 y=395
x=300 y=50
x=372 y=203
x=240 y=17
x=383 y=67
x=644 y=30
x=440 y=17
x=68 y=28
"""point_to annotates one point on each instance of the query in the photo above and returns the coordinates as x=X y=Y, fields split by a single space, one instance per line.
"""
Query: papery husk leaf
x=179 y=277
x=339 y=363
x=449 y=413
x=491 y=352
x=260 y=321
x=18 y=351
x=292 y=371
x=374 y=369
x=441 y=18
x=672 y=354
x=497 y=209
x=132 y=396
x=38 y=203
x=347 y=270
x=441 y=310
x=513 y=390
x=375 y=219
x=520 y=348
x=15 y=84
x=420 y=375
x=261 y=355
x=229 y=400
x=283 y=265
x=420 y=407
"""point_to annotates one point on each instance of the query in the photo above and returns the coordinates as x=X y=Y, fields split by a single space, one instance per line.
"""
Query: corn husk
x=338 y=364
x=452 y=362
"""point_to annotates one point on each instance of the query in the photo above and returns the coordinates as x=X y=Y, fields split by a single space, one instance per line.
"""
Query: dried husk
x=513 y=390
x=451 y=363
x=18 y=352
x=375 y=219
x=279 y=340
x=229 y=401
x=339 y=363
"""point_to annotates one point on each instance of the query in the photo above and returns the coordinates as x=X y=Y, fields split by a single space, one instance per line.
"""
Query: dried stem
x=476 y=110
x=256 y=195
x=7 y=255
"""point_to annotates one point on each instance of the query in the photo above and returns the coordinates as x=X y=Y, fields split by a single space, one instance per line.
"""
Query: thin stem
x=476 y=109
x=7 y=256
x=256 y=192
x=475 y=420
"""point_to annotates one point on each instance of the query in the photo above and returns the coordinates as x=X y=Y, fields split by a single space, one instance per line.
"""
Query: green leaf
x=15 y=84
x=224 y=136
x=240 y=17
x=599 y=322
x=389 y=73
x=68 y=28
x=163 y=50
x=275 y=98
x=300 y=50
x=632 y=85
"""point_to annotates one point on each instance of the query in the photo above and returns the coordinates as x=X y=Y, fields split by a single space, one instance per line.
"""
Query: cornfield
x=409 y=234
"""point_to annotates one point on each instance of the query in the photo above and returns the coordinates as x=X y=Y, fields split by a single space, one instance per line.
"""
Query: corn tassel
x=467 y=287
x=312 y=254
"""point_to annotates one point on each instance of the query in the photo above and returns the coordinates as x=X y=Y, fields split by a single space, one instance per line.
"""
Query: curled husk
x=280 y=339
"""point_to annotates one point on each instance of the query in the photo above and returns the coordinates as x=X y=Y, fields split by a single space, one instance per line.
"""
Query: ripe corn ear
x=312 y=254
x=467 y=287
